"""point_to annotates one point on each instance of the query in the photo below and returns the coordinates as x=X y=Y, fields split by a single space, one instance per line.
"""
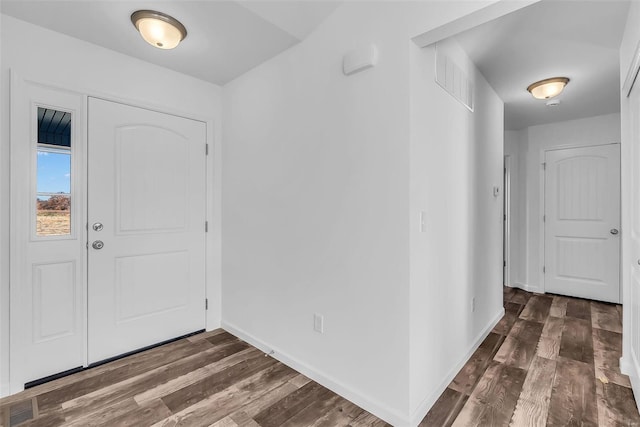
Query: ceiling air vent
x=453 y=80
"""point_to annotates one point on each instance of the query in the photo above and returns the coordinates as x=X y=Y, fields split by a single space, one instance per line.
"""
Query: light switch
x=423 y=222
x=318 y=323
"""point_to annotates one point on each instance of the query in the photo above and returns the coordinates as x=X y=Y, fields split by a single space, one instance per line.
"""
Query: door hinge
x=544 y=269
x=544 y=218
x=206 y=226
x=504 y=263
x=206 y=303
x=544 y=166
x=206 y=149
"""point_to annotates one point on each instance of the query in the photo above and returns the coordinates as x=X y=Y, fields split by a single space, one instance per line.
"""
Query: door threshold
x=140 y=350
x=63 y=374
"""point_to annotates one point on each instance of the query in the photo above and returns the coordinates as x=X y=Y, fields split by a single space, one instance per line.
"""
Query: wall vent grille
x=453 y=80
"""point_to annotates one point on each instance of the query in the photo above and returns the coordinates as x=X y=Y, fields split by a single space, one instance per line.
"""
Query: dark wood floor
x=551 y=361
x=210 y=379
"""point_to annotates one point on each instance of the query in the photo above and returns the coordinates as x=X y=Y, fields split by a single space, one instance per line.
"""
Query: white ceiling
x=575 y=39
x=225 y=38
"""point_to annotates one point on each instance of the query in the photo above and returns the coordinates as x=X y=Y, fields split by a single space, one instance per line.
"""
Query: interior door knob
x=98 y=244
x=613 y=231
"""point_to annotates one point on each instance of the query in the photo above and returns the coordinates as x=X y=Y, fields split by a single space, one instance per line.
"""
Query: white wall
x=456 y=160
x=317 y=216
x=315 y=195
x=529 y=146
x=38 y=53
x=516 y=147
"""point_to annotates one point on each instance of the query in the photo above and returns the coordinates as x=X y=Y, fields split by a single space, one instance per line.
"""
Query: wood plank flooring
x=211 y=379
x=551 y=361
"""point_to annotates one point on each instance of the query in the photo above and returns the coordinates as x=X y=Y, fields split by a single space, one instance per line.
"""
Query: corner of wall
x=358 y=397
x=423 y=408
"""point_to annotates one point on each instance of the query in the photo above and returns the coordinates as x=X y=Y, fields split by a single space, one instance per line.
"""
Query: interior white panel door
x=582 y=222
x=146 y=214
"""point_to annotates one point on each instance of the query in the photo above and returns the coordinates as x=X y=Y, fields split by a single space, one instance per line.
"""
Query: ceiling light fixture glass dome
x=548 y=88
x=158 y=29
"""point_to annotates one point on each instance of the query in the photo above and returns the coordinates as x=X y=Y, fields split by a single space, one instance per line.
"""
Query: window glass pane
x=54 y=172
x=53 y=176
x=54 y=216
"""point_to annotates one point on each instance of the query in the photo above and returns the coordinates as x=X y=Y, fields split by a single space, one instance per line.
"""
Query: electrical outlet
x=318 y=323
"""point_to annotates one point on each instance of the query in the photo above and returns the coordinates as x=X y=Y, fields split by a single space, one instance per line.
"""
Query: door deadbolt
x=613 y=231
x=98 y=226
x=98 y=244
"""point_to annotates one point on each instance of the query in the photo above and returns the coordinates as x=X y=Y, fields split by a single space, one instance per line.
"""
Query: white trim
x=506 y=238
x=528 y=288
x=631 y=368
x=377 y=408
x=632 y=73
x=541 y=212
x=430 y=400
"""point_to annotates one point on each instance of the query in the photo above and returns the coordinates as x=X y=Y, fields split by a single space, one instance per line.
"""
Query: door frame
x=543 y=210
x=506 y=237
x=18 y=81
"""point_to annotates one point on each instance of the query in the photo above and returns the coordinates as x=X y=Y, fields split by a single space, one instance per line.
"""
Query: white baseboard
x=625 y=367
x=630 y=367
x=378 y=409
x=4 y=390
x=528 y=288
x=427 y=403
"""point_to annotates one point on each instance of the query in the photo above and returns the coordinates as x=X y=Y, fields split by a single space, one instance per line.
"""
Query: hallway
x=551 y=360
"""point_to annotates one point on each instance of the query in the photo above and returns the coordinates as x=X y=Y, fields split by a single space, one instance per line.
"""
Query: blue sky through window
x=54 y=172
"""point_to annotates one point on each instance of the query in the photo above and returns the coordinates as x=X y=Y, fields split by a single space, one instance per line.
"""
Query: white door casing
x=506 y=236
x=147 y=188
x=47 y=279
x=582 y=222
x=631 y=268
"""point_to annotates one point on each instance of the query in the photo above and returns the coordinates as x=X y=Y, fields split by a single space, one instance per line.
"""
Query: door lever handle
x=613 y=231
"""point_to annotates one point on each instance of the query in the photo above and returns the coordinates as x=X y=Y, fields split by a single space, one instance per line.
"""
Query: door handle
x=613 y=231
x=98 y=244
x=98 y=226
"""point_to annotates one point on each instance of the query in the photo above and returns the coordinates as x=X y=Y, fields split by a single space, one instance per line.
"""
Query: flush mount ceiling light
x=158 y=29
x=548 y=88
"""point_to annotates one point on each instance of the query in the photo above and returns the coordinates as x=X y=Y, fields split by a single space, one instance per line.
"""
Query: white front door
x=582 y=222
x=146 y=227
